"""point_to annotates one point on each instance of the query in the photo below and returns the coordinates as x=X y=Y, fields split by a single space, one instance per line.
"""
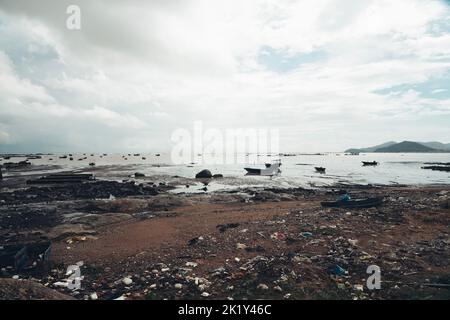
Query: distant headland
x=405 y=146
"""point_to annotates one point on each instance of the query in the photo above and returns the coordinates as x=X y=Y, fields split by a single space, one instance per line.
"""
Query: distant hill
x=371 y=149
x=405 y=146
x=437 y=145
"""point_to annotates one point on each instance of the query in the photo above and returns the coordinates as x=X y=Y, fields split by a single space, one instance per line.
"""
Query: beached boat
x=25 y=256
x=356 y=203
x=270 y=169
x=320 y=169
x=370 y=163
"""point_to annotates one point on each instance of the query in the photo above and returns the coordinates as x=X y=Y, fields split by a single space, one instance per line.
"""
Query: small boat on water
x=356 y=203
x=370 y=163
x=320 y=169
x=270 y=169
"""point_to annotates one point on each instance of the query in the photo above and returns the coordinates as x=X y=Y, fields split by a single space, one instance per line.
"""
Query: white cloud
x=153 y=66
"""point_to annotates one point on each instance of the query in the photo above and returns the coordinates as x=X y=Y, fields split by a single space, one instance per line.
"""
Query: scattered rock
x=204 y=174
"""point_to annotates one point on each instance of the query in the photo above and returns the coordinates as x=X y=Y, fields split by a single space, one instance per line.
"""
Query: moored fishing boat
x=270 y=169
x=370 y=163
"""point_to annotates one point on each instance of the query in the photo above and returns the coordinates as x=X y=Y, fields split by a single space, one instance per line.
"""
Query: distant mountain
x=371 y=149
x=405 y=146
x=437 y=145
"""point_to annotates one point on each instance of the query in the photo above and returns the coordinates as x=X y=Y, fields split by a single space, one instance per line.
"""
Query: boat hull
x=252 y=171
x=357 y=203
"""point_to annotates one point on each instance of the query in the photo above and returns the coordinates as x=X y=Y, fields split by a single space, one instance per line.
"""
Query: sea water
x=297 y=170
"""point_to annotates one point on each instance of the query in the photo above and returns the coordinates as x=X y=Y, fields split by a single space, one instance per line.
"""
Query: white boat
x=271 y=169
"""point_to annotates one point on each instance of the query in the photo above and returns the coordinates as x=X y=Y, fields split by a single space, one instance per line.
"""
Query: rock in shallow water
x=204 y=174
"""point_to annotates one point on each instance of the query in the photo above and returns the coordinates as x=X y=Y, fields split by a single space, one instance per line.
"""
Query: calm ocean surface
x=297 y=171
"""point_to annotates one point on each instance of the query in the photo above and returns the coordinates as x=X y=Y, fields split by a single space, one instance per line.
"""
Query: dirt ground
x=301 y=241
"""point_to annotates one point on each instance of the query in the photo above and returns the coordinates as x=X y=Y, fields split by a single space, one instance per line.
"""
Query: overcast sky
x=329 y=74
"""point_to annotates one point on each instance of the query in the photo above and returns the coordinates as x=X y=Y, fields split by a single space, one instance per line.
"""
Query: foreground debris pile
x=253 y=244
x=77 y=190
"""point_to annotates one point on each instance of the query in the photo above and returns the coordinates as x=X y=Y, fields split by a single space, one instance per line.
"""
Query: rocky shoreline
x=140 y=241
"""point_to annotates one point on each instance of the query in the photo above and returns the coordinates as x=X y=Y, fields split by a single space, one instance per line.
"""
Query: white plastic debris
x=191 y=264
x=61 y=284
x=359 y=287
x=277 y=288
x=178 y=286
x=262 y=286
x=94 y=296
x=205 y=294
x=127 y=281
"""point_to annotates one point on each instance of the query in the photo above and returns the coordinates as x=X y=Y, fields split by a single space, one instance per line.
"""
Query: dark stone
x=204 y=174
x=218 y=175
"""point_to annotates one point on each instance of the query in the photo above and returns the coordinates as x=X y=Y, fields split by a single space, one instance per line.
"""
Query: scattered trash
x=224 y=227
x=258 y=248
x=25 y=256
x=195 y=241
x=306 y=234
x=277 y=288
x=358 y=287
x=278 y=236
x=191 y=264
x=263 y=286
x=339 y=271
